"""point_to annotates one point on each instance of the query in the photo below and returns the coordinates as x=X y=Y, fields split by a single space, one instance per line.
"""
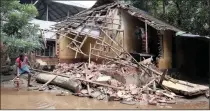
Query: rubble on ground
x=115 y=75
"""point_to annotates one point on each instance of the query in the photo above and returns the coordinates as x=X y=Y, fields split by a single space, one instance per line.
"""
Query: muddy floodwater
x=23 y=99
x=34 y=99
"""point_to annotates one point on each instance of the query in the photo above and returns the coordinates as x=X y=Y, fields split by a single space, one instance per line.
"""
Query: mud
x=33 y=99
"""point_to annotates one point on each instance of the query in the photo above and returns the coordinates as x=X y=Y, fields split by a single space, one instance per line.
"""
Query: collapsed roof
x=82 y=17
x=95 y=23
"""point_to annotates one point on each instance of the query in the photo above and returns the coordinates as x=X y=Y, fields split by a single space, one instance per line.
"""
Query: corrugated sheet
x=188 y=35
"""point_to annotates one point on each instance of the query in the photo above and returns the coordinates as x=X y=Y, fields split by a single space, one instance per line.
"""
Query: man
x=22 y=67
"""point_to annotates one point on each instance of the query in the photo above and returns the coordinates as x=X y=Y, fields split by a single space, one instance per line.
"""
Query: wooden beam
x=107 y=28
x=101 y=84
x=125 y=51
x=109 y=47
x=70 y=38
x=146 y=37
x=98 y=50
x=111 y=60
x=103 y=17
x=76 y=50
x=104 y=22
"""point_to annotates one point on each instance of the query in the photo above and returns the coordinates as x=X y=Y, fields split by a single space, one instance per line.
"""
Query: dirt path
x=23 y=99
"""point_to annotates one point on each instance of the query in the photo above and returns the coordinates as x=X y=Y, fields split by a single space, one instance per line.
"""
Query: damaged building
x=115 y=30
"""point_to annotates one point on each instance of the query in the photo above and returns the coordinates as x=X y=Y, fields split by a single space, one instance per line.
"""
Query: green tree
x=190 y=16
x=16 y=32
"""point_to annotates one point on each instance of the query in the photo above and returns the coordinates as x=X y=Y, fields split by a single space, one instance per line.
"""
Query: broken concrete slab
x=185 y=88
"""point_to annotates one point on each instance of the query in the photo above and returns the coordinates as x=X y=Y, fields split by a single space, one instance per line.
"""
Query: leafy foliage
x=16 y=32
x=191 y=16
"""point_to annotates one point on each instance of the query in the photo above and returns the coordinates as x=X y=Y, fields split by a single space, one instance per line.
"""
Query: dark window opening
x=49 y=51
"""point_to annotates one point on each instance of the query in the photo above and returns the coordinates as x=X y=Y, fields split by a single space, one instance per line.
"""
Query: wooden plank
x=41 y=88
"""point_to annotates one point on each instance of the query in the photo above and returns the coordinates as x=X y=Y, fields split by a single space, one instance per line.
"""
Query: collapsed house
x=110 y=29
x=107 y=34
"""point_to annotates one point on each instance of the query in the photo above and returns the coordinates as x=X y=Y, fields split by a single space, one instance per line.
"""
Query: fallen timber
x=60 y=81
x=46 y=76
x=86 y=86
x=176 y=86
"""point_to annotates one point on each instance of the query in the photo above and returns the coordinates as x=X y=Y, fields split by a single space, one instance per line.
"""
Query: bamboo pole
x=146 y=37
x=76 y=50
x=111 y=46
x=127 y=52
x=90 y=50
x=111 y=60
x=88 y=87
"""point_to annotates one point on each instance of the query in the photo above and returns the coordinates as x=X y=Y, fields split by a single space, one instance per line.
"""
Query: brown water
x=12 y=99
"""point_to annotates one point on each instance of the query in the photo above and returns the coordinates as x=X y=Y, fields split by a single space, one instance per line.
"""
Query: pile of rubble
x=117 y=87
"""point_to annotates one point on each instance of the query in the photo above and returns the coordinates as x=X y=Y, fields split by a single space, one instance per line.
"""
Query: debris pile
x=113 y=84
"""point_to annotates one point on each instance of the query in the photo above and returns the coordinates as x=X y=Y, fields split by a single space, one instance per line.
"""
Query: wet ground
x=33 y=99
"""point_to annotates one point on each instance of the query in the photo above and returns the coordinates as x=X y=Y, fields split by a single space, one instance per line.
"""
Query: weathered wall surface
x=166 y=61
x=129 y=25
x=66 y=54
x=127 y=39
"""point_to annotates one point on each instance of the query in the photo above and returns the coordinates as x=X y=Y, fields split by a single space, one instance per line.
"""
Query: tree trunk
x=179 y=21
x=164 y=5
x=64 y=82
